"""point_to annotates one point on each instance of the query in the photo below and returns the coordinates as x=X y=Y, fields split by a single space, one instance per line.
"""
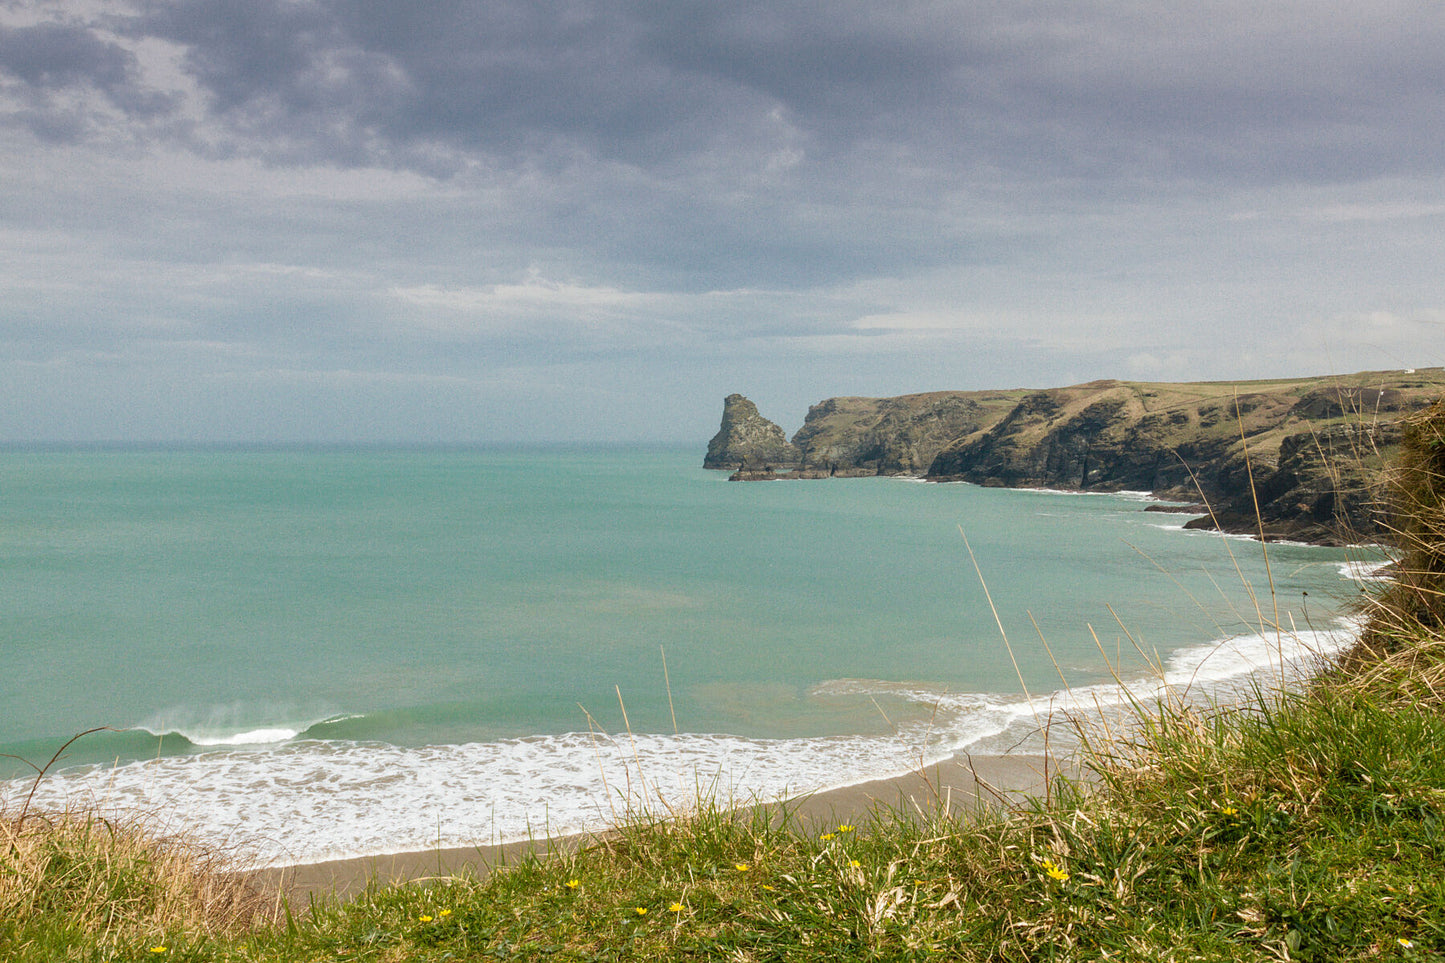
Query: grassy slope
x=838 y=422
x=1266 y=418
x=1307 y=827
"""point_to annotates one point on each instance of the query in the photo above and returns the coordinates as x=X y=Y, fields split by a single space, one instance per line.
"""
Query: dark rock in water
x=748 y=442
x=1181 y=508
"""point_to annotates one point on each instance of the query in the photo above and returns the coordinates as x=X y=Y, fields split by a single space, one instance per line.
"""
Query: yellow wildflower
x=573 y=883
x=741 y=867
x=158 y=949
x=445 y=913
x=1405 y=943
x=845 y=828
x=769 y=888
x=1228 y=810
x=424 y=919
x=854 y=863
x=640 y=910
x=826 y=837
x=676 y=907
x=1054 y=872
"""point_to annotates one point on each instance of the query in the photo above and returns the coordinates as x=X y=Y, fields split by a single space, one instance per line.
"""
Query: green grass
x=1306 y=826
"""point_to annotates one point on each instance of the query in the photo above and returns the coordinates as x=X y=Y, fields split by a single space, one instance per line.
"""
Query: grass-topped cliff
x=1309 y=450
x=1306 y=826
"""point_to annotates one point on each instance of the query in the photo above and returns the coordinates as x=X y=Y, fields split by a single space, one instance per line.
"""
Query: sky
x=590 y=220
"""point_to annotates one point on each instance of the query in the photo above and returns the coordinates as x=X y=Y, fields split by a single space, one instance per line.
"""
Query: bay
x=462 y=645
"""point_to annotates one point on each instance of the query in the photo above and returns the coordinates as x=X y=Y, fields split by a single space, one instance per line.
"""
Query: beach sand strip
x=962 y=784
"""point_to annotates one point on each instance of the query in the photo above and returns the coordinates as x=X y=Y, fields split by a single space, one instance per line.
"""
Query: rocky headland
x=1308 y=451
x=747 y=441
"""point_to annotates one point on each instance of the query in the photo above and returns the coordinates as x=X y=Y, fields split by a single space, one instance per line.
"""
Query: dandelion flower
x=1053 y=871
x=424 y=919
x=741 y=867
x=640 y=910
x=676 y=907
x=573 y=883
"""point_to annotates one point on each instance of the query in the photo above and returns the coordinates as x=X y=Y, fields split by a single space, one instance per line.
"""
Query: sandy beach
x=962 y=784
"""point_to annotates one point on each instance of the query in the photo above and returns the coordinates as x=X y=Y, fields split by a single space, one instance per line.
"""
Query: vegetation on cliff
x=893 y=436
x=1306 y=453
x=746 y=439
x=1307 y=826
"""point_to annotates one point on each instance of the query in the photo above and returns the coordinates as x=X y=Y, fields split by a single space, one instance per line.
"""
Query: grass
x=78 y=886
x=1305 y=826
x=1309 y=828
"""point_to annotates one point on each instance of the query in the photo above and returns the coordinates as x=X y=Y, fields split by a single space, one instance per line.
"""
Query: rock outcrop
x=746 y=441
x=893 y=436
x=1308 y=451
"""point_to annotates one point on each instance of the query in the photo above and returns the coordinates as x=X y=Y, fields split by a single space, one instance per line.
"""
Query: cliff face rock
x=1099 y=437
x=1324 y=486
x=1066 y=437
x=893 y=436
x=1309 y=449
x=748 y=441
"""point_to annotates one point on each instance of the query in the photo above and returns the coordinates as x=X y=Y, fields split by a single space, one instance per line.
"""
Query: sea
x=312 y=653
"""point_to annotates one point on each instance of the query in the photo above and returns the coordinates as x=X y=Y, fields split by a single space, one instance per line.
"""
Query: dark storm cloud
x=831 y=92
x=52 y=55
x=1069 y=89
x=50 y=60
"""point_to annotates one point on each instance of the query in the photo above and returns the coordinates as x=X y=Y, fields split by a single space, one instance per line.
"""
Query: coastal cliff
x=1308 y=450
x=746 y=440
x=895 y=436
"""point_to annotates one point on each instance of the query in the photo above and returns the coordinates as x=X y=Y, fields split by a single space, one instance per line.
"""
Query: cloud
x=614 y=196
x=1101 y=91
x=64 y=82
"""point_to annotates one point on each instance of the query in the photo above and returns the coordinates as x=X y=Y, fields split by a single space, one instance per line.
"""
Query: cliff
x=895 y=436
x=1309 y=449
x=746 y=440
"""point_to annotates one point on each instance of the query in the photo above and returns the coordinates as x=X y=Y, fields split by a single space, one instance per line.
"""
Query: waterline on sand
x=308 y=800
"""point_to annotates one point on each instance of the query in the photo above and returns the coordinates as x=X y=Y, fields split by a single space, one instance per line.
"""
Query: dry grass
x=115 y=885
x=1404 y=645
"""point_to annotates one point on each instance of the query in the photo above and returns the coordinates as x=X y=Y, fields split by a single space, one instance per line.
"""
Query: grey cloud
x=52 y=60
x=1081 y=90
x=833 y=196
x=52 y=55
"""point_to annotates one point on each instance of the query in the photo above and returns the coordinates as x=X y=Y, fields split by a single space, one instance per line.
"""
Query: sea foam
x=307 y=800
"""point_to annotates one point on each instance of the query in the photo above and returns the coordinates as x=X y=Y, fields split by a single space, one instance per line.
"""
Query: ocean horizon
x=317 y=652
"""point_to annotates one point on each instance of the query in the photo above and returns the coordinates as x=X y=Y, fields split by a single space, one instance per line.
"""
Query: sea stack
x=746 y=440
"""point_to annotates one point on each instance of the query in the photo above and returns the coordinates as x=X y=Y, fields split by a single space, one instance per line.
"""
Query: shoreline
x=1202 y=518
x=961 y=784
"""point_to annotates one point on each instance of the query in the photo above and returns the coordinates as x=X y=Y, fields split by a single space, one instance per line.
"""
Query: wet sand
x=962 y=784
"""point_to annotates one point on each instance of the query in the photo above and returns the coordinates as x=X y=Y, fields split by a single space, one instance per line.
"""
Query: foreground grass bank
x=1306 y=827
x=1312 y=829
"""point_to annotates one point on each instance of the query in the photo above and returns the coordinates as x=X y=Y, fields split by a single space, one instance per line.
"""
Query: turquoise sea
x=326 y=652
